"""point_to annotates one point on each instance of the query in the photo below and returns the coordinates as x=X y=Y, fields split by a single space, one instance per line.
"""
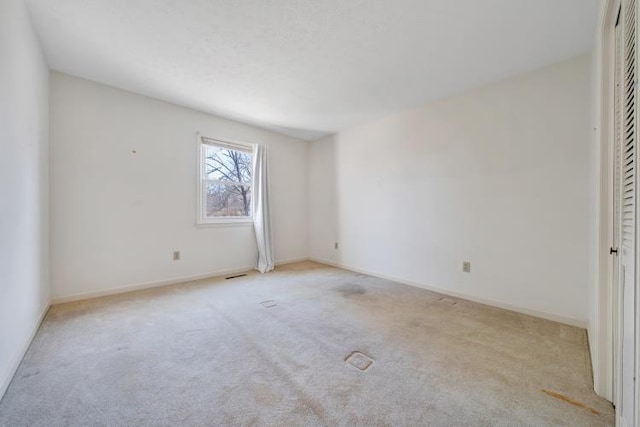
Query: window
x=225 y=178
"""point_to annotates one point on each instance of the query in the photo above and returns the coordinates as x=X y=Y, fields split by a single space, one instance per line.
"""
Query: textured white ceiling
x=308 y=67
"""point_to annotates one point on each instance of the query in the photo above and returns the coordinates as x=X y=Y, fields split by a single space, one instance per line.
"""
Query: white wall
x=24 y=140
x=117 y=217
x=498 y=176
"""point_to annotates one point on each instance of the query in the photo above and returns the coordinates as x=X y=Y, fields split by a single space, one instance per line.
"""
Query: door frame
x=602 y=328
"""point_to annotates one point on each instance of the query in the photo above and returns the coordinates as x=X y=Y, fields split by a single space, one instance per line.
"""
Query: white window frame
x=201 y=218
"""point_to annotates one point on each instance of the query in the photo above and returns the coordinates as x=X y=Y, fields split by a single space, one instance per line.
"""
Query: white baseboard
x=544 y=315
x=165 y=282
x=292 y=260
x=148 y=285
x=17 y=358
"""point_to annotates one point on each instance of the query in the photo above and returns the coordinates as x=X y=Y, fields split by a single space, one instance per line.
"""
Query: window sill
x=225 y=223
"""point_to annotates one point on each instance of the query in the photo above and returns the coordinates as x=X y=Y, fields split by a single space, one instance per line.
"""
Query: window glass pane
x=226 y=181
x=225 y=164
x=227 y=200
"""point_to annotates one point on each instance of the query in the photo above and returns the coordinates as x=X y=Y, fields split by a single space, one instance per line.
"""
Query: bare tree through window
x=228 y=175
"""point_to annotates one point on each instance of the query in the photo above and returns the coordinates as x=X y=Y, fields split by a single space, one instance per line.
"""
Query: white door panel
x=625 y=207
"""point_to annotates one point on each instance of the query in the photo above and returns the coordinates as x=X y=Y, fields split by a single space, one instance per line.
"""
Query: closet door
x=626 y=167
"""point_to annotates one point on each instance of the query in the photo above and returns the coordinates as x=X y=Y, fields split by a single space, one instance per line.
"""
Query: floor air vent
x=449 y=301
x=359 y=360
x=268 y=304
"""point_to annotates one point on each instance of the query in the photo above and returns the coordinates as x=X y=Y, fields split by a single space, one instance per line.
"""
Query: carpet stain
x=265 y=395
x=306 y=403
x=351 y=289
x=415 y=323
x=569 y=400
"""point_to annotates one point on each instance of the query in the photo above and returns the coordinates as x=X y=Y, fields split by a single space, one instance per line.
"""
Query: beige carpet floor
x=305 y=345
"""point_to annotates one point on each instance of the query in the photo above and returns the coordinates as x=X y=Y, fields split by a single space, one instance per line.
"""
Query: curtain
x=262 y=209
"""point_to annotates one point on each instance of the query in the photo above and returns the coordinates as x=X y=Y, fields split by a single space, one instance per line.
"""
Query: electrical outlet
x=335 y=245
x=466 y=266
x=176 y=255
